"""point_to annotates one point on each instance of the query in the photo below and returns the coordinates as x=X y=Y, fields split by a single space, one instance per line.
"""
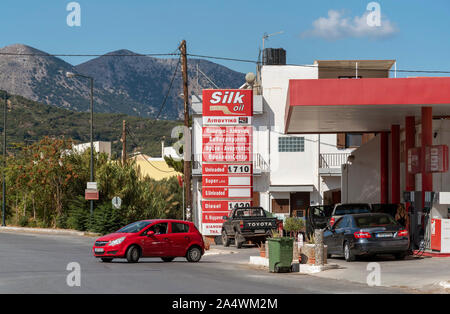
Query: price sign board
x=223 y=206
x=221 y=169
x=227 y=152
x=227 y=181
x=226 y=192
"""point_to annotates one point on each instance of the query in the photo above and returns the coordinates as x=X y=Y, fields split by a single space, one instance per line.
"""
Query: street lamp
x=91 y=80
x=4 y=161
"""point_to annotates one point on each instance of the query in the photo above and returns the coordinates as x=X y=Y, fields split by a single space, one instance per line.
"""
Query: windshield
x=134 y=227
x=352 y=209
x=374 y=221
x=249 y=212
x=321 y=211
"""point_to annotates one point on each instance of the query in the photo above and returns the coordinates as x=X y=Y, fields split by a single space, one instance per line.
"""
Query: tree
x=294 y=226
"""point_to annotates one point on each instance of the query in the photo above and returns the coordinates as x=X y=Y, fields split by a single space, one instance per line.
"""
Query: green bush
x=107 y=219
x=78 y=216
x=23 y=221
x=294 y=225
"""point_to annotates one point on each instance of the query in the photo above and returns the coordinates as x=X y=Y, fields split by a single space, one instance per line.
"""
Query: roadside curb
x=48 y=231
x=300 y=268
x=218 y=252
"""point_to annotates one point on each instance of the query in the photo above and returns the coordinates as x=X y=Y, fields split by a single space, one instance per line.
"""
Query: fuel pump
x=419 y=218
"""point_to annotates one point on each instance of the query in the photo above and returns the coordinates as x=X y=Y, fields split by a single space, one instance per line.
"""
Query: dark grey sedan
x=366 y=234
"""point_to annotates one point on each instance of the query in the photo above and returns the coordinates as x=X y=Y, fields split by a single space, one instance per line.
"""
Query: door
x=299 y=204
x=157 y=244
x=255 y=199
x=336 y=196
x=333 y=243
x=179 y=238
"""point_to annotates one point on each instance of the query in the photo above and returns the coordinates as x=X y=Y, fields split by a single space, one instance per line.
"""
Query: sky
x=414 y=32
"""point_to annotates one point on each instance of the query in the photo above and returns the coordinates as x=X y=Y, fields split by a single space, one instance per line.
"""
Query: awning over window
x=291 y=188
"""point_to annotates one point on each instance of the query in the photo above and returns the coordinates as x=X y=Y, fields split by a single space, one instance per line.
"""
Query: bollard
x=318 y=235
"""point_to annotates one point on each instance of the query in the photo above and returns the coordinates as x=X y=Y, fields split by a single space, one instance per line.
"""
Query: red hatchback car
x=162 y=238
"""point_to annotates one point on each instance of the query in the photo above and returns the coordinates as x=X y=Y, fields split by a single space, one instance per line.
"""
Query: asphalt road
x=31 y=263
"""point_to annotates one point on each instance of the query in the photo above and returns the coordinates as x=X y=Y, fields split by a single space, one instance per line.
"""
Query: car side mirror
x=150 y=234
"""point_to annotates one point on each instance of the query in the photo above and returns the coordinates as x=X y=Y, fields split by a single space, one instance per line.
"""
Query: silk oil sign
x=227 y=106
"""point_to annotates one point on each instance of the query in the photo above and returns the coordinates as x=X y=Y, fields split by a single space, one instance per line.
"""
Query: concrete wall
x=361 y=180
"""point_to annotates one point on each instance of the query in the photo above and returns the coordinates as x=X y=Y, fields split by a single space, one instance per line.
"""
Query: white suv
x=348 y=209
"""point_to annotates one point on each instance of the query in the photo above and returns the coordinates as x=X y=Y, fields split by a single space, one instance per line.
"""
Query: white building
x=99 y=147
x=291 y=172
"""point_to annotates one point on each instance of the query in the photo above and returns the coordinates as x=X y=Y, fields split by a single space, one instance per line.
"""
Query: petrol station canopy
x=362 y=105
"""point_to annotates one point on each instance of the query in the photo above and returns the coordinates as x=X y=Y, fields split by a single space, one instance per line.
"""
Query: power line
x=322 y=67
x=166 y=96
x=215 y=58
x=221 y=58
x=87 y=55
x=134 y=142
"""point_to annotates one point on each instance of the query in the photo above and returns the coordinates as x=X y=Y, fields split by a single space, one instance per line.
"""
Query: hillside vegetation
x=29 y=121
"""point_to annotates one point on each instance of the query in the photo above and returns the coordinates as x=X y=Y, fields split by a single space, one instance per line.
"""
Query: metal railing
x=333 y=160
x=258 y=163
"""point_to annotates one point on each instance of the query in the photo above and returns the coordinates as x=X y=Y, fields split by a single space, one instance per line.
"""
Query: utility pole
x=124 y=142
x=187 y=138
x=4 y=161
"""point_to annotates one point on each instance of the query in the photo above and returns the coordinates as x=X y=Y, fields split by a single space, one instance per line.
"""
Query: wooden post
x=186 y=147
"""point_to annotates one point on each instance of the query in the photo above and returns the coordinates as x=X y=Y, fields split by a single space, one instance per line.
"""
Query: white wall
x=290 y=168
x=361 y=180
x=99 y=147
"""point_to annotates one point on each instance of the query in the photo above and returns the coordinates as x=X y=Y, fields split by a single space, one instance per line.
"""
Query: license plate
x=385 y=235
x=260 y=231
x=97 y=250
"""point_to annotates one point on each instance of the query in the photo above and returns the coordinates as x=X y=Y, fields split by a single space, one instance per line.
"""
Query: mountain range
x=124 y=82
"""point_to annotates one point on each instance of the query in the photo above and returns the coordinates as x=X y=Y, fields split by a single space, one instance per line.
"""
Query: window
x=134 y=227
x=179 y=227
x=291 y=144
x=341 y=223
x=160 y=228
x=375 y=221
x=349 y=209
x=353 y=140
x=251 y=212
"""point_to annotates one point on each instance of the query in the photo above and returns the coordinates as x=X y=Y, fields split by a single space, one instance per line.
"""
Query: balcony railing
x=259 y=164
x=333 y=160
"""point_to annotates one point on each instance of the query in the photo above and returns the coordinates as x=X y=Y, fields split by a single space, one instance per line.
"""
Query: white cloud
x=338 y=26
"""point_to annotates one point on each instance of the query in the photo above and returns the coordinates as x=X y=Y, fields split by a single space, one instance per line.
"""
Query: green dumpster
x=280 y=254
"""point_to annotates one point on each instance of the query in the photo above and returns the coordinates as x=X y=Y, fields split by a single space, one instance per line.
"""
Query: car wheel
x=106 y=259
x=133 y=254
x=167 y=259
x=240 y=240
x=225 y=239
x=194 y=254
x=400 y=256
x=348 y=254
